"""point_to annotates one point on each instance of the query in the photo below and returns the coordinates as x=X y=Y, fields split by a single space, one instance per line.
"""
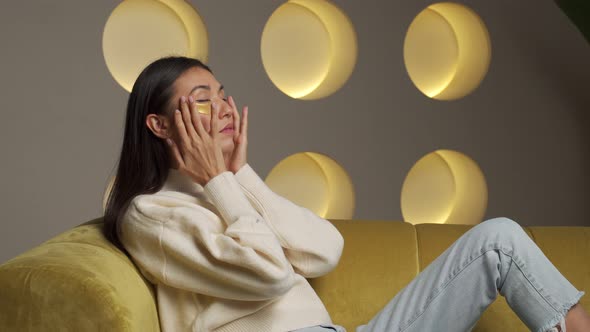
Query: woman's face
x=204 y=88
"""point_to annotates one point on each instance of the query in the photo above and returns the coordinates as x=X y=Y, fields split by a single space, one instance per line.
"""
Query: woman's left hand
x=239 y=156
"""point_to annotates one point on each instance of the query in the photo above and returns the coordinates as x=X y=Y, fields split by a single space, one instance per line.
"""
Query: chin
x=228 y=147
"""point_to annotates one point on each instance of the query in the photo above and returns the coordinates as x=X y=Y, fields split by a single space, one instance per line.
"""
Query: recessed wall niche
x=444 y=187
x=308 y=48
x=316 y=182
x=447 y=51
x=140 y=31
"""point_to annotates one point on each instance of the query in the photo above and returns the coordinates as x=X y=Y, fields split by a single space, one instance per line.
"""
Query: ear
x=159 y=125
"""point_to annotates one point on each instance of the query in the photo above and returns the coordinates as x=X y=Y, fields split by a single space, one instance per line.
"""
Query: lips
x=228 y=127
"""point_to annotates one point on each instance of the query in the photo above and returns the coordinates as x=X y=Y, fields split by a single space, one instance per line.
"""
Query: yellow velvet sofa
x=78 y=281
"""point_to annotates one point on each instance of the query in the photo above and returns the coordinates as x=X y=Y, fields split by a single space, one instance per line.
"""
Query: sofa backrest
x=79 y=281
x=382 y=257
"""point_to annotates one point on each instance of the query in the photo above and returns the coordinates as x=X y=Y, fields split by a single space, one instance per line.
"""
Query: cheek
x=206 y=122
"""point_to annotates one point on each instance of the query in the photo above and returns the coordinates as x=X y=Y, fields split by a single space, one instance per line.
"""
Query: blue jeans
x=453 y=291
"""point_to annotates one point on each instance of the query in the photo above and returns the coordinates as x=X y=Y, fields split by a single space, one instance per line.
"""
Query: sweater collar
x=177 y=181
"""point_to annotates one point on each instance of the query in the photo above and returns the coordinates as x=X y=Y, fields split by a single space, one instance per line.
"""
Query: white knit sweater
x=230 y=256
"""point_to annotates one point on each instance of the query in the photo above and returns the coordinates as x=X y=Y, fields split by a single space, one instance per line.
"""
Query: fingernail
x=191 y=99
x=183 y=99
x=169 y=141
x=177 y=111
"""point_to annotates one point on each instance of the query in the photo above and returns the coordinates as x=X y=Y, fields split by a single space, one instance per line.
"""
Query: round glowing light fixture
x=447 y=51
x=444 y=187
x=316 y=182
x=141 y=31
x=308 y=48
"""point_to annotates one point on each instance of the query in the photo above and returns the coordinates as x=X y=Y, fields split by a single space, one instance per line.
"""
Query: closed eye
x=208 y=100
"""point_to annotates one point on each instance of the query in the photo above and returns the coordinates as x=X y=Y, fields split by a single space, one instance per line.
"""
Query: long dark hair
x=144 y=160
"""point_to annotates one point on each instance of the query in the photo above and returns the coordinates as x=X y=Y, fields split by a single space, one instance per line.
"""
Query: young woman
x=226 y=253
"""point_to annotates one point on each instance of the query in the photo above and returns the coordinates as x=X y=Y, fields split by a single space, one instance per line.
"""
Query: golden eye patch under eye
x=203 y=107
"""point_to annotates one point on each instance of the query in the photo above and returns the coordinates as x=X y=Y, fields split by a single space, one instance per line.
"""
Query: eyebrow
x=207 y=87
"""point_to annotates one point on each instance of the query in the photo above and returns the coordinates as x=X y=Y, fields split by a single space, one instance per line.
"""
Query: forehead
x=193 y=77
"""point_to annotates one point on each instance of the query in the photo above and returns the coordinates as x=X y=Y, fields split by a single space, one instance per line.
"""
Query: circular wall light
x=444 y=187
x=308 y=48
x=140 y=31
x=316 y=182
x=447 y=51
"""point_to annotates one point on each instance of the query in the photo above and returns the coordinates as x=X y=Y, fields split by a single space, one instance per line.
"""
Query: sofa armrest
x=76 y=281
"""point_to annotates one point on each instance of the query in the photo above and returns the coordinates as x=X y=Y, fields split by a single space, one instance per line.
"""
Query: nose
x=222 y=106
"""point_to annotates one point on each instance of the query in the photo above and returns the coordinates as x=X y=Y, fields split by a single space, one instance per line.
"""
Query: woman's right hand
x=198 y=154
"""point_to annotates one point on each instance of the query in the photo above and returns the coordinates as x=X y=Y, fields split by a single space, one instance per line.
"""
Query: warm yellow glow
x=195 y=28
x=141 y=31
x=308 y=48
x=431 y=72
x=444 y=187
x=447 y=51
x=295 y=50
x=316 y=182
x=107 y=192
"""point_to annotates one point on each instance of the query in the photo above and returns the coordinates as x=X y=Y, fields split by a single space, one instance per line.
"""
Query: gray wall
x=527 y=125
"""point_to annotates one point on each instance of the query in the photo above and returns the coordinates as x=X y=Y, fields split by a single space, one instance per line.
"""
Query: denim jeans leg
x=454 y=290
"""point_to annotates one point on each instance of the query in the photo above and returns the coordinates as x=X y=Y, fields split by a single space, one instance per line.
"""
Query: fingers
x=244 y=124
x=187 y=117
x=232 y=103
x=196 y=118
x=182 y=130
x=214 y=122
x=236 y=115
x=175 y=152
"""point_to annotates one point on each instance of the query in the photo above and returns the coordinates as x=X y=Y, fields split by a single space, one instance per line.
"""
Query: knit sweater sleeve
x=175 y=242
x=312 y=244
